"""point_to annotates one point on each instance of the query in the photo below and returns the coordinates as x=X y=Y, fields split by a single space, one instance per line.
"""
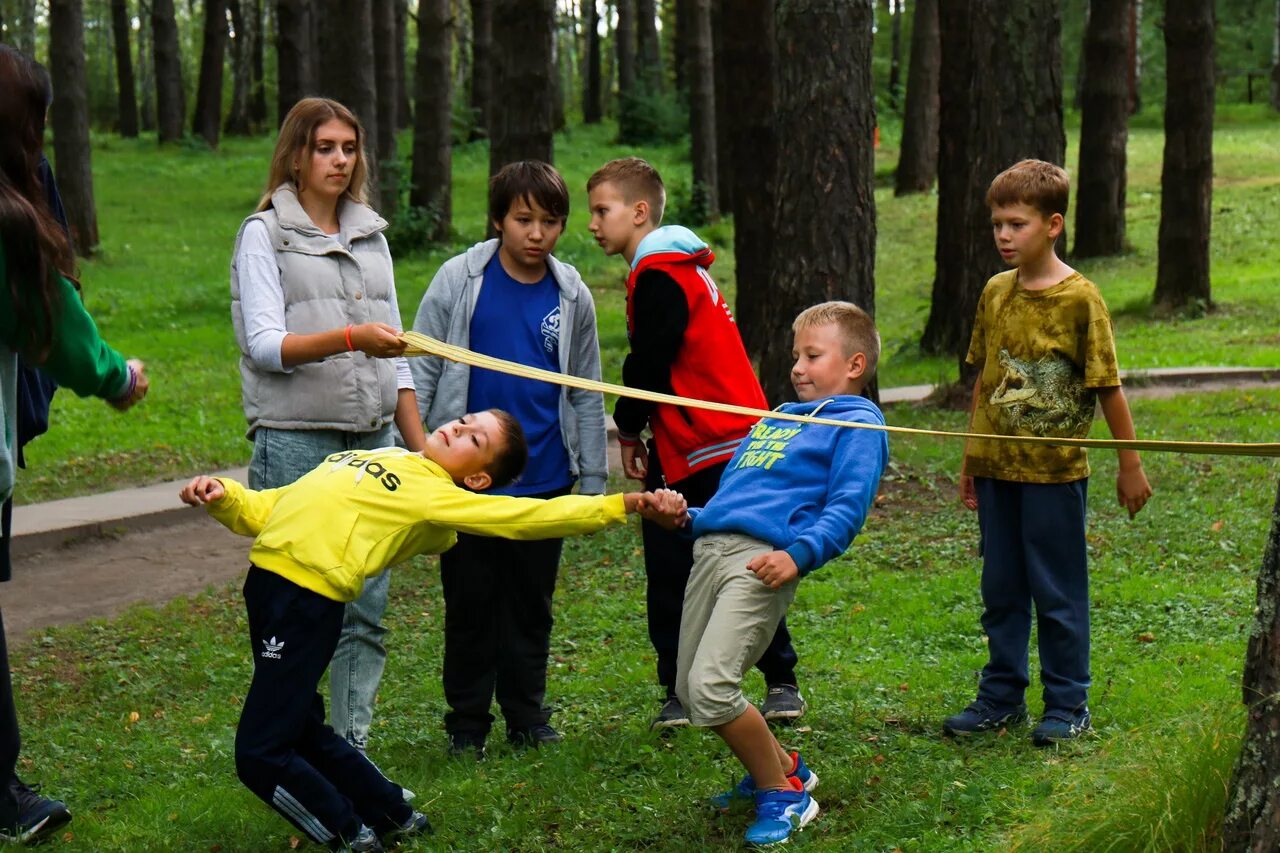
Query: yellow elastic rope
x=420 y=344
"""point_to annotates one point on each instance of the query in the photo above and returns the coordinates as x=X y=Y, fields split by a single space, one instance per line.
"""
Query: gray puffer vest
x=326 y=286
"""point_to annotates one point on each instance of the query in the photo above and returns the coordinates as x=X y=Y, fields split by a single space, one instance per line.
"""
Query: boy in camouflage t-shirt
x=1044 y=345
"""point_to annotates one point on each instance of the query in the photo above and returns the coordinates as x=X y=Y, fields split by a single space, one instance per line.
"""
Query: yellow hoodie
x=360 y=511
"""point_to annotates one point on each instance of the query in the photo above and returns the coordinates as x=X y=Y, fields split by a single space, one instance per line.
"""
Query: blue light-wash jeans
x=279 y=457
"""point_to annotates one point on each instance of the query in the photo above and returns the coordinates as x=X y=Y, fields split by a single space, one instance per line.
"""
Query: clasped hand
x=663 y=507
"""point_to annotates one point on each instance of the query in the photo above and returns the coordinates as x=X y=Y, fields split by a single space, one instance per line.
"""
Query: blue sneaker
x=1058 y=725
x=984 y=716
x=743 y=794
x=780 y=814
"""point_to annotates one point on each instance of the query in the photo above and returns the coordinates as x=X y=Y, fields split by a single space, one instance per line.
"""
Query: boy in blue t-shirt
x=792 y=498
x=510 y=298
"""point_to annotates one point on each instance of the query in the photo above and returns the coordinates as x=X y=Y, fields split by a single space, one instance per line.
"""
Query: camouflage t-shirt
x=1042 y=353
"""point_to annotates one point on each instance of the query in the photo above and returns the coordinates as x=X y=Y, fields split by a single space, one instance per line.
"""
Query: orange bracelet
x=350 y=346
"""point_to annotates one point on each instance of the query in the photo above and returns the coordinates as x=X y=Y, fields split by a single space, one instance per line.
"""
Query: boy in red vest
x=683 y=341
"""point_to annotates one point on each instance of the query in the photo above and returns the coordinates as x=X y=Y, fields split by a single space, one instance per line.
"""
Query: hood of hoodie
x=672 y=240
x=832 y=407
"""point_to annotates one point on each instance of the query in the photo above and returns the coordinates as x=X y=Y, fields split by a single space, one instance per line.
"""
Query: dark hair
x=531 y=180
x=635 y=179
x=510 y=459
x=1041 y=185
x=36 y=248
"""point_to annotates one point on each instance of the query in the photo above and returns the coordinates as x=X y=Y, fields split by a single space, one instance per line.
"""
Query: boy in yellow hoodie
x=315 y=542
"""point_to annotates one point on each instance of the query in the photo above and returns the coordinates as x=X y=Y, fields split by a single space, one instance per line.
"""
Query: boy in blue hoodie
x=792 y=498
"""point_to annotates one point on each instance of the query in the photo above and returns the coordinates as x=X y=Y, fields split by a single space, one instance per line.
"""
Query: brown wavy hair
x=36 y=249
x=297 y=140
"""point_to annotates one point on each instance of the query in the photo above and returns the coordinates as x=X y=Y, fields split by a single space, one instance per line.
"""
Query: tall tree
x=238 y=119
x=70 y=116
x=1001 y=102
x=1186 y=182
x=1104 y=130
x=702 y=111
x=680 y=52
x=347 y=71
x=207 y=121
x=918 y=157
x=27 y=27
x=824 y=212
x=724 y=172
x=294 y=54
x=146 y=70
x=520 y=120
x=404 y=109
x=1275 y=62
x=432 y=139
x=1252 y=820
x=752 y=155
x=171 y=99
x=648 y=51
x=482 y=61
x=624 y=47
x=127 y=95
x=257 y=80
x=387 y=83
x=895 y=53
x=592 y=108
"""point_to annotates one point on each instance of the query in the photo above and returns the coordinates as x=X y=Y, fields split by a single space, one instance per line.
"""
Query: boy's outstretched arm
x=664 y=507
x=1132 y=488
x=240 y=510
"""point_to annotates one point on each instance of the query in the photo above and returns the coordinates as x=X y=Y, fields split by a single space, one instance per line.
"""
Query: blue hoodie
x=804 y=488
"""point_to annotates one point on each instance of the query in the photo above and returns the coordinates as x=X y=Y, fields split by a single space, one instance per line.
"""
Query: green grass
x=168 y=219
x=132 y=720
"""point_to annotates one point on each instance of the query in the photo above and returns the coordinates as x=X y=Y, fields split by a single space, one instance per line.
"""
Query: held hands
x=202 y=490
x=635 y=460
x=138 y=387
x=1132 y=489
x=377 y=339
x=663 y=507
x=774 y=569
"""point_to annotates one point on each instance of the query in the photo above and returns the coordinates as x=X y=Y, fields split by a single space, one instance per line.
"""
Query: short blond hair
x=636 y=180
x=1041 y=185
x=858 y=332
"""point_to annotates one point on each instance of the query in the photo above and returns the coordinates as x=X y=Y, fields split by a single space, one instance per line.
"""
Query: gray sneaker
x=366 y=841
x=672 y=715
x=783 y=704
x=984 y=716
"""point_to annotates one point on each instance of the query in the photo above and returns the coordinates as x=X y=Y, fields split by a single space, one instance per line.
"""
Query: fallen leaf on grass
x=1217 y=525
x=134 y=716
x=294 y=842
x=1146 y=637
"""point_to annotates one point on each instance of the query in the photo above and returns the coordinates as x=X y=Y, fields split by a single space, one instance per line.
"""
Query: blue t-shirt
x=521 y=322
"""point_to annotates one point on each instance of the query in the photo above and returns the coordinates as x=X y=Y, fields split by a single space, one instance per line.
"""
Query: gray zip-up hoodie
x=445 y=314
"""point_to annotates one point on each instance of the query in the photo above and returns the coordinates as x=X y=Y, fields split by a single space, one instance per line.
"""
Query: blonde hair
x=857 y=330
x=1041 y=185
x=635 y=180
x=297 y=141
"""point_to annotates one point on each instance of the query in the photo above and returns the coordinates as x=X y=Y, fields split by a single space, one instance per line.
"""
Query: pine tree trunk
x=1186 y=183
x=592 y=108
x=702 y=113
x=432 y=139
x=625 y=48
x=257 y=83
x=648 y=54
x=70 y=114
x=238 y=121
x=522 y=82
x=207 y=121
x=1275 y=62
x=171 y=106
x=681 y=53
x=294 y=54
x=404 y=109
x=482 y=63
x=347 y=72
x=27 y=27
x=1252 y=820
x=918 y=157
x=825 y=213
x=895 y=56
x=127 y=94
x=749 y=59
x=1104 y=131
x=387 y=99
x=1001 y=102
x=724 y=171
x=146 y=73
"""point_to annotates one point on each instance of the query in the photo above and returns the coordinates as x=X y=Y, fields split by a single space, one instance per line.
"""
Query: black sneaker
x=984 y=716
x=36 y=817
x=783 y=704
x=466 y=744
x=1058 y=725
x=672 y=715
x=534 y=736
x=417 y=824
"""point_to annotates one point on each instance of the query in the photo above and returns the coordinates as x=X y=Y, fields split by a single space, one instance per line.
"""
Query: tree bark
x=1275 y=62
x=918 y=157
x=1001 y=102
x=404 y=109
x=171 y=106
x=749 y=59
x=238 y=121
x=257 y=82
x=294 y=54
x=1252 y=820
x=825 y=211
x=27 y=27
x=127 y=98
x=432 y=137
x=592 y=108
x=895 y=55
x=680 y=55
x=1104 y=131
x=146 y=71
x=702 y=112
x=70 y=114
x=648 y=54
x=482 y=62
x=207 y=121
x=724 y=172
x=624 y=38
x=1186 y=182
x=347 y=72
x=387 y=99
x=522 y=84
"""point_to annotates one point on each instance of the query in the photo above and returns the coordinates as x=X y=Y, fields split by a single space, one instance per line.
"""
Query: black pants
x=10 y=741
x=497 y=629
x=668 y=559
x=285 y=751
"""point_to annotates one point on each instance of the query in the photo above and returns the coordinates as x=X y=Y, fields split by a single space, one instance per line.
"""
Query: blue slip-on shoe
x=743 y=794
x=1058 y=725
x=984 y=716
x=780 y=814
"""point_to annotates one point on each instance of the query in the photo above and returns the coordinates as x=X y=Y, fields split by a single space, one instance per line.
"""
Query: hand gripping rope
x=420 y=344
